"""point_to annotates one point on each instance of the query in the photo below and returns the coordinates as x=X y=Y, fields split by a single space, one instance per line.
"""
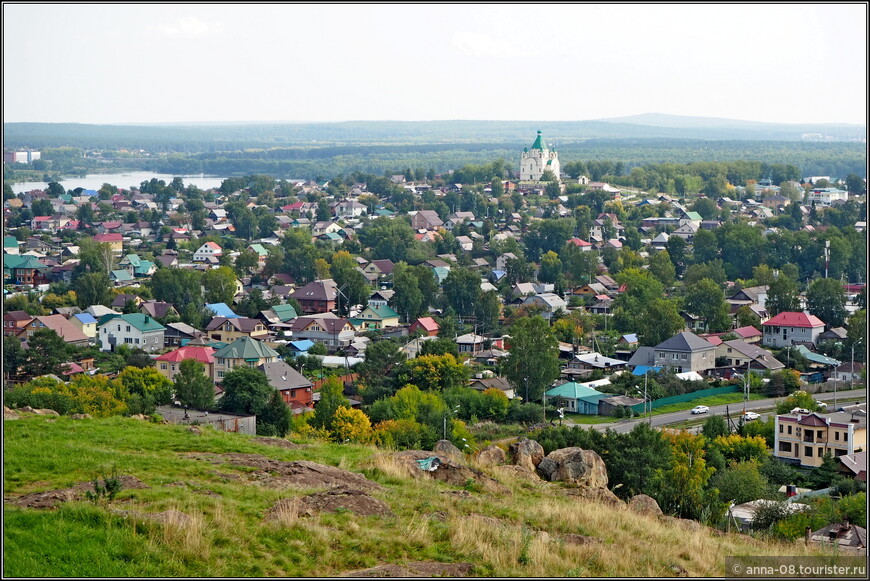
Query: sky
x=174 y=63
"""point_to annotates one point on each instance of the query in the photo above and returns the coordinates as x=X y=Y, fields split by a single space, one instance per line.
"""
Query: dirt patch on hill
x=299 y=473
x=415 y=569
x=280 y=442
x=51 y=498
x=335 y=500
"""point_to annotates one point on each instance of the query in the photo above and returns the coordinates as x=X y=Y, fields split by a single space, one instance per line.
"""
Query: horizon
x=212 y=63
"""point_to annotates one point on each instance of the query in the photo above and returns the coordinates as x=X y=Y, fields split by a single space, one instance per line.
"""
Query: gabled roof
x=202 y=354
x=85 y=318
x=747 y=332
x=427 y=323
x=282 y=376
x=285 y=312
x=791 y=319
x=383 y=312
x=318 y=290
x=60 y=325
x=246 y=348
x=685 y=341
x=574 y=390
x=144 y=323
x=241 y=324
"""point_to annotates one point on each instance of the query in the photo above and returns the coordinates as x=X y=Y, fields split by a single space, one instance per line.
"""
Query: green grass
x=228 y=535
x=722 y=399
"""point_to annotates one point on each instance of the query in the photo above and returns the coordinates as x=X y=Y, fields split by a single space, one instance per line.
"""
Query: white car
x=700 y=409
x=800 y=411
x=822 y=405
x=749 y=416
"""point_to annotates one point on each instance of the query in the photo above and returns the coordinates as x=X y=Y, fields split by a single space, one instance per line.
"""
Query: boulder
x=343 y=498
x=574 y=466
x=81 y=416
x=526 y=453
x=492 y=456
x=45 y=412
x=447 y=447
x=644 y=504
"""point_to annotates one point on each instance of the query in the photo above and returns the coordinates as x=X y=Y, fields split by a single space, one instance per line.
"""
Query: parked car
x=700 y=409
x=749 y=416
x=822 y=405
x=800 y=411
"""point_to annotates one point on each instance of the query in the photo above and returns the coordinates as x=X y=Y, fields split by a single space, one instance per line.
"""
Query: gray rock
x=491 y=456
x=447 y=447
x=574 y=466
x=527 y=453
x=644 y=504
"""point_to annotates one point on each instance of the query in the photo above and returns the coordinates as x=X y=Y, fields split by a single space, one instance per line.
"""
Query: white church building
x=538 y=159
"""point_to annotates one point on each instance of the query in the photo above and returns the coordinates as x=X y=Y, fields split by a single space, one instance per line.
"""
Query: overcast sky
x=151 y=63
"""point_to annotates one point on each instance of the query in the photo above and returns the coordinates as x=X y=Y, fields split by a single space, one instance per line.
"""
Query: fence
x=344 y=379
x=657 y=403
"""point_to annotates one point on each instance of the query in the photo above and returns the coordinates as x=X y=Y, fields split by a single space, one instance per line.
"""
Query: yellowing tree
x=679 y=490
x=351 y=425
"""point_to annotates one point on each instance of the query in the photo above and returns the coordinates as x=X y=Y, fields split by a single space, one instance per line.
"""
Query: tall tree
x=407 y=298
x=246 y=391
x=92 y=288
x=825 y=299
x=46 y=351
x=331 y=398
x=220 y=285
x=192 y=388
x=462 y=288
x=532 y=363
x=275 y=418
x=706 y=299
x=782 y=296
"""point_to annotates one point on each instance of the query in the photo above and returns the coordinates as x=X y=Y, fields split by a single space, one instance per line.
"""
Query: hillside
x=207 y=504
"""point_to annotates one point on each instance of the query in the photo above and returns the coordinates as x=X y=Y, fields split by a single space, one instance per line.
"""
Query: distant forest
x=311 y=150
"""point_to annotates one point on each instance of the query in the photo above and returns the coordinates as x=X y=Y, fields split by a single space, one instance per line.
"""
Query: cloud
x=190 y=27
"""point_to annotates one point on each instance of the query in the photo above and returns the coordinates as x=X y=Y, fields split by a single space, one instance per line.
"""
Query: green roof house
x=579 y=398
x=10 y=245
x=133 y=330
x=244 y=351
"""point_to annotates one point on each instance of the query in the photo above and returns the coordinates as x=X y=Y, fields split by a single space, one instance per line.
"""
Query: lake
x=123 y=181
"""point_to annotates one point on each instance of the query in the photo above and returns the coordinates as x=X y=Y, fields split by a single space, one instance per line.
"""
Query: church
x=538 y=159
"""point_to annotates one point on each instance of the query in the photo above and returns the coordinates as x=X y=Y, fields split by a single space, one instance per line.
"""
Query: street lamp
x=455 y=410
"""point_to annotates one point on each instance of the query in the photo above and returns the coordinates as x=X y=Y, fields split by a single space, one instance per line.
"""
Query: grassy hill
x=217 y=514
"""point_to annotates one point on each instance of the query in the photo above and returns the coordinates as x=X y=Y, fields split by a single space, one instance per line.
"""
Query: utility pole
x=827 y=256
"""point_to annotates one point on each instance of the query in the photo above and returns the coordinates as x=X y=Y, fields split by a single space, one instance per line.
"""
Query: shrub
x=404 y=434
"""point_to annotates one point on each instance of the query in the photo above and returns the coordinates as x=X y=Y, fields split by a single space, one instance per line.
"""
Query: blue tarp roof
x=641 y=369
x=302 y=346
x=222 y=310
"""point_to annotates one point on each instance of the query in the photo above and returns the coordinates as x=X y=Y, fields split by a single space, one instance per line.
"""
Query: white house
x=134 y=330
x=206 y=251
x=826 y=196
x=789 y=328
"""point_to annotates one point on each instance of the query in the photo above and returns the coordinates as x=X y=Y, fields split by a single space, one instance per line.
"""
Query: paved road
x=735 y=409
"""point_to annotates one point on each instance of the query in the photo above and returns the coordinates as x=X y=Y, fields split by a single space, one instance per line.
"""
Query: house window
x=128 y=340
x=808 y=452
x=785 y=446
x=137 y=340
x=780 y=428
x=789 y=429
x=163 y=366
x=220 y=374
x=128 y=328
x=845 y=436
x=836 y=435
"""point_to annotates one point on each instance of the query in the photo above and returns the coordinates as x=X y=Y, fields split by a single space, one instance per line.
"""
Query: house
x=749 y=334
x=260 y=251
x=179 y=334
x=826 y=196
x=14 y=322
x=594 y=360
x=846 y=538
x=349 y=209
x=158 y=309
x=376 y=318
x=169 y=364
x=10 y=245
x=25 y=269
x=608 y=405
x=788 y=328
x=850 y=372
x=685 y=351
x=470 y=343
x=71 y=334
x=206 y=251
x=743 y=514
x=739 y=353
x=378 y=268
x=221 y=310
x=295 y=389
x=133 y=330
x=427 y=325
x=113 y=239
x=243 y=352
x=854 y=465
x=324 y=328
x=579 y=398
x=549 y=302
x=228 y=329
x=280 y=314
x=380 y=298
x=318 y=296
x=805 y=438
x=749 y=296
x=121 y=300
x=426 y=220
x=500 y=383
x=87 y=324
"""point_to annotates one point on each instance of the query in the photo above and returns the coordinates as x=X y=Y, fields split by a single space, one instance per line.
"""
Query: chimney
x=147 y=319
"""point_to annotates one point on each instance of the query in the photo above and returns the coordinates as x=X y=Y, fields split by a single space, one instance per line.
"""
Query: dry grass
x=285 y=513
x=184 y=532
x=391 y=467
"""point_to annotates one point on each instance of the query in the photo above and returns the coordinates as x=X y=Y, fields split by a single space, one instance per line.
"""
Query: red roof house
x=789 y=328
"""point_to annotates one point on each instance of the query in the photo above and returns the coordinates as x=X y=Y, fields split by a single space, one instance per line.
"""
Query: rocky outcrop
x=449 y=470
x=574 y=466
x=301 y=473
x=415 y=569
x=644 y=504
x=526 y=453
x=491 y=456
x=447 y=447
x=343 y=498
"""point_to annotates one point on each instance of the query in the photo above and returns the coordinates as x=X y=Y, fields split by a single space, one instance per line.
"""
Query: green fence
x=657 y=403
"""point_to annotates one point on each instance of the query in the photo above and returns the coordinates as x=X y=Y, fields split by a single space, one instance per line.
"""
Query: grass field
x=225 y=532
